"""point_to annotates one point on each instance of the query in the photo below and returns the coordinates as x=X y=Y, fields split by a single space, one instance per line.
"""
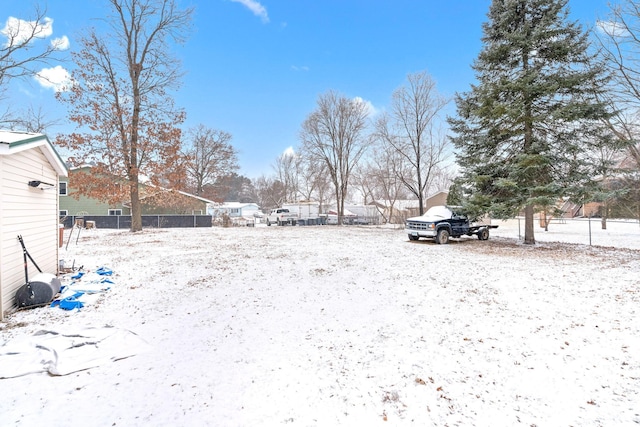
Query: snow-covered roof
x=407 y=203
x=13 y=142
x=347 y=212
x=399 y=204
x=236 y=205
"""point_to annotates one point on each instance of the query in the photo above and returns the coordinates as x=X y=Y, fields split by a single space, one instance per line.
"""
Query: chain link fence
x=148 y=221
x=586 y=231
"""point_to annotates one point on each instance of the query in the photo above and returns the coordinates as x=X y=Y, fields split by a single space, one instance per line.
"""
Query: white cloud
x=296 y=68
x=289 y=152
x=56 y=78
x=19 y=31
x=612 y=29
x=61 y=43
x=256 y=8
x=25 y=91
x=370 y=108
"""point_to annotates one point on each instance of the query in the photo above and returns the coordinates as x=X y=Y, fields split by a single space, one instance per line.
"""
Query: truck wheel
x=483 y=234
x=412 y=237
x=442 y=238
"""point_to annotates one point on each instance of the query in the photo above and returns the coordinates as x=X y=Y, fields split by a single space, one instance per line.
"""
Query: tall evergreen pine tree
x=523 y=131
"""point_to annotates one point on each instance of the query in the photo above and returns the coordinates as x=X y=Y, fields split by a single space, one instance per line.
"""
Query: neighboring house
x=396 y=212
x=29 y=171
x=438 y=199
x=72 y=204
x=235 y=210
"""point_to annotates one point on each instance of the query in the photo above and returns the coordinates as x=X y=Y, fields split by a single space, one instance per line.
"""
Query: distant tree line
x=347 y=152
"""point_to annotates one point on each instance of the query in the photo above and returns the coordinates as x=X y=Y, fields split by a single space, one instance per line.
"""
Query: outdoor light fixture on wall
x=36 y=184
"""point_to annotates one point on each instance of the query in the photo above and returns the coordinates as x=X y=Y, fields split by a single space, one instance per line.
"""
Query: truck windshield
x=439 y=212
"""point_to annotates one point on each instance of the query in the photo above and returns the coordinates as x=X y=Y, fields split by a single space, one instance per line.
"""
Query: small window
x=62 y=188
x=63 y=213
x=235 y=211
x=115 y=211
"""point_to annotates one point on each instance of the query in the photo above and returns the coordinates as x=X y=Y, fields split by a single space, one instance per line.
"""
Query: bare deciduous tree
x=126 y=121
x=270 y=192
x=380 y=179
x=314 y=182
x=620 y=40
x=210 y=156
x=33 y=120
x=411 y=130
x=334 y=134
x=287 y=168
x=22 y=51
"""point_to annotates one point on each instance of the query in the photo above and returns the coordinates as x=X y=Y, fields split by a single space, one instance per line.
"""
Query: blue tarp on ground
x=81 y=288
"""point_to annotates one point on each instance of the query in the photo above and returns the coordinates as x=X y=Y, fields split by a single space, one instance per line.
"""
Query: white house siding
x=234 y=209
x=29 y=212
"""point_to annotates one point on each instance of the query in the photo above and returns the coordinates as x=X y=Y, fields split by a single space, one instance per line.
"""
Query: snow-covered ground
x=326 y=326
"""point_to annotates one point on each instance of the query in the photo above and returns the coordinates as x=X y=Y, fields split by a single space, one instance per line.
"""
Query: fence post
x=589 y=229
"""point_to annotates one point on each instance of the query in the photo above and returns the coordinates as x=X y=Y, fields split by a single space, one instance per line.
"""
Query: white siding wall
x=29 y=212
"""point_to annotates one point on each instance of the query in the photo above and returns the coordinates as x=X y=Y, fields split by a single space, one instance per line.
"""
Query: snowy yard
x=326 y=326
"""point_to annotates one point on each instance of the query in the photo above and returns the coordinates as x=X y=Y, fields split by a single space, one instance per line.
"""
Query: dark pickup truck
x=441 y=223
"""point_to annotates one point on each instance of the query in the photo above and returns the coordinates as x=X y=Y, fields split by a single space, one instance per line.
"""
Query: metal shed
x=29 y=170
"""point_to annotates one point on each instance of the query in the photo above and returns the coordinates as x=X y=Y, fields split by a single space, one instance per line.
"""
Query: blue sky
x=256 y=68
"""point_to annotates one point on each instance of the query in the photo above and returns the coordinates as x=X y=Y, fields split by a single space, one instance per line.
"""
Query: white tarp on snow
x=62 y=353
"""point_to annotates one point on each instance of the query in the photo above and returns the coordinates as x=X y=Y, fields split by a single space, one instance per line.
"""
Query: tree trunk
x=136 y=208
x=339 y=205
x=528 y=226
x=134 y=173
